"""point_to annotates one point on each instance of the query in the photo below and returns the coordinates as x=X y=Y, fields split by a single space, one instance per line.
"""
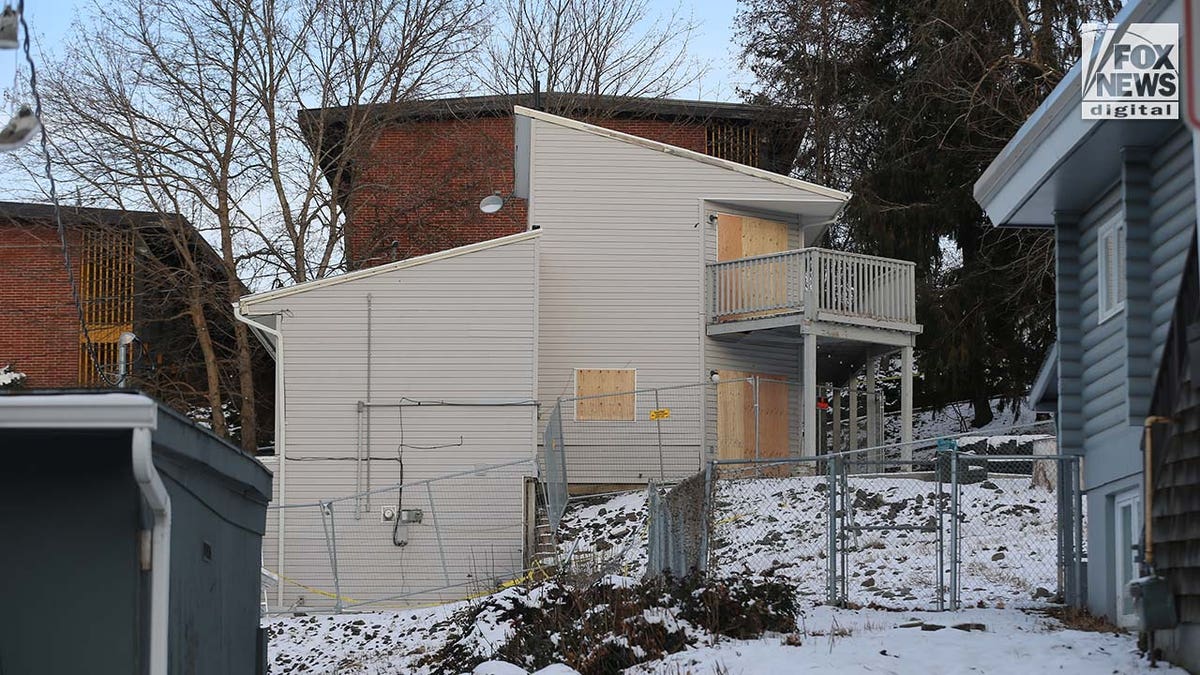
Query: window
x=1110 y=249
x=605 y=394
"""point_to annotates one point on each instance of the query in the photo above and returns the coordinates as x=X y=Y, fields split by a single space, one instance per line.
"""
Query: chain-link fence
x=422 y=542
x=771 y=519
x=665 y=434
x=869 y=528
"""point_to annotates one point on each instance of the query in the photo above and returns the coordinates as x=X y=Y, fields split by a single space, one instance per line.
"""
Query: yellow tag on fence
x=659 y=414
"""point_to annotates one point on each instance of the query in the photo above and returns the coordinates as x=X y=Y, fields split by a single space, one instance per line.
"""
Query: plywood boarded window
x=609 y=394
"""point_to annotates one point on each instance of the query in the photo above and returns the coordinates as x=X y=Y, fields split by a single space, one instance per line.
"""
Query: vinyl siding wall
x=457 y=329
x=1118 y=357
x=622 y=283
x=1173 y=214
x=1104 y=389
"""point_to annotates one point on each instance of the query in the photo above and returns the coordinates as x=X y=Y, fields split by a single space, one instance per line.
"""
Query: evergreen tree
x=905 y=104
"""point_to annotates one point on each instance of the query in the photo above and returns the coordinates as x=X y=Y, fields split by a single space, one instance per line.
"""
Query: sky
x=49 y=21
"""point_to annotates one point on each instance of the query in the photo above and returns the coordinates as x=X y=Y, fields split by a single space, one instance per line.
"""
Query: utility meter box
x=1154 y=603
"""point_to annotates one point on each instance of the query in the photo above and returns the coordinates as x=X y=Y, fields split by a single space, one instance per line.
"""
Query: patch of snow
x=776 y=528
x=498 y=668
x=865 y=641
x=557 y=669
x=10 y=377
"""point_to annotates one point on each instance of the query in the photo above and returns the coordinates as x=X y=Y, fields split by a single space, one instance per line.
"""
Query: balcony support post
x=809 y=374
x=852 y=385
x=906 y=409
x=836 y=436
x=872 y=404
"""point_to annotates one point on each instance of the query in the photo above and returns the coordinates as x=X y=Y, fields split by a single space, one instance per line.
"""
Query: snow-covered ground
x=827 y=640
x=776 y=528
x=760 y=610
x=1000 y=641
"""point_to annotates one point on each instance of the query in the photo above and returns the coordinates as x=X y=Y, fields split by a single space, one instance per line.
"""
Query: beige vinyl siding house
x=609 y=291
x=629 y=226
x=453 y=327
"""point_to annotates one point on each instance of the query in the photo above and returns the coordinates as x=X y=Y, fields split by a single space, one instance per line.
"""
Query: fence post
x=1077 y=557
x=831 y=529
x=757 y=454
x=1066 y=535
x=941 y=534
x=437 y=531
x=708 y=516
x=658 y=426
x=331 y=543
x=953 y=452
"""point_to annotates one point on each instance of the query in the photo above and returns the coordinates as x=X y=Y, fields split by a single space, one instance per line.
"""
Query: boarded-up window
x=1110 y=249
x=605 y=394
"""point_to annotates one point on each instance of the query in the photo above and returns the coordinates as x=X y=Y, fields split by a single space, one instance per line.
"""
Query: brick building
x=131 y=275
x=417 y=187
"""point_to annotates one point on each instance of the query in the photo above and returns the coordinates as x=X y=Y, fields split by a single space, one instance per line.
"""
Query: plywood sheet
x=773 y=418
x=735 y=417
x=761 y=236
x=729 y=237
x=761 y=284
x=735 y=405
x=611 y=387
x=773 y=423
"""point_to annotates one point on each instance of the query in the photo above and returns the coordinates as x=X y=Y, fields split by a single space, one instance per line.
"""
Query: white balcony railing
x=823 y=284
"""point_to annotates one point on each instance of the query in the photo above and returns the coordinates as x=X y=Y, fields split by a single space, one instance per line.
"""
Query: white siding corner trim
x=1110 y=252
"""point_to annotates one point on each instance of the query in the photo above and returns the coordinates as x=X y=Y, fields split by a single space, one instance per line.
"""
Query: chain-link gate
x=868 y=529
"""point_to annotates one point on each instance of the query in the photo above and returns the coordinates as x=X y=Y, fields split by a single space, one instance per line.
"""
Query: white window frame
x=1113 y=229
x=1122 y=557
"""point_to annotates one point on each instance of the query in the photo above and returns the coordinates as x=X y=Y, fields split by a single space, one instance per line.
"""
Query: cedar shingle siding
x=1176 y=457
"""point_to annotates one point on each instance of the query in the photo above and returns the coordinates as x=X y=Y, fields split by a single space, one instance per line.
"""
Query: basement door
x=758 y=285
x=1127 y=531
x=735 y=416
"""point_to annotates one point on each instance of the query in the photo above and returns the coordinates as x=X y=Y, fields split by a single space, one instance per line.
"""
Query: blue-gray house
x=132 y=540
x=1120 y=195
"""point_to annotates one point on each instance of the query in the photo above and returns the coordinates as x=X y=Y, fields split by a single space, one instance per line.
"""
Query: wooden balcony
x=812 y=286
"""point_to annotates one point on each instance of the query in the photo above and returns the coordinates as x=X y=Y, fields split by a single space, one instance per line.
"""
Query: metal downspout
x=156 y=496
x=280 y=445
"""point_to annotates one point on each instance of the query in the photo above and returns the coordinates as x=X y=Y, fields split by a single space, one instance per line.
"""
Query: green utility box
x=1154 y=602
x=971 y=468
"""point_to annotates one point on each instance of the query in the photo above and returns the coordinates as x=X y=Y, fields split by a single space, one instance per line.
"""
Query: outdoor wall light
x=9 y=20
x=19 y=130
x=491 y=203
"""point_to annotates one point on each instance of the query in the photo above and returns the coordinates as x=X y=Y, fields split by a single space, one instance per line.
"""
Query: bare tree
x=589 y=47
x=194 y=108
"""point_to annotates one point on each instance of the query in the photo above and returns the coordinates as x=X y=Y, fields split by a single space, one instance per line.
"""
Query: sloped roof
x=788 y=181
x=245 y=303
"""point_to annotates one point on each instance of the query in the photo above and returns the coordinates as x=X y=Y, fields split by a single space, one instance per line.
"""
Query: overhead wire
x=89 y=345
